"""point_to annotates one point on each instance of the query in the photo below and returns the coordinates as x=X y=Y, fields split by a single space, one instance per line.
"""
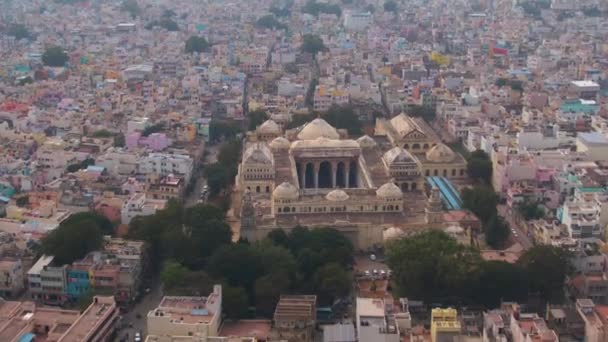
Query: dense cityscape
x=303 y=170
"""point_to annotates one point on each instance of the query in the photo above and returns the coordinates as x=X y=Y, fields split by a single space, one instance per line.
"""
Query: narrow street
x=522 y=238
x=210 y=158
x=135 y=320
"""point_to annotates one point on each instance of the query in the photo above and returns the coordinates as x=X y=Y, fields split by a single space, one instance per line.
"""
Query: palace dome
x=440 y=154
x=392 y=233
x=280 y=143
x=268 y=127
x=318 y=128
x=285 y=191
x=366 y=142
x=337 y=196
x=397 y=155
x=389 y=190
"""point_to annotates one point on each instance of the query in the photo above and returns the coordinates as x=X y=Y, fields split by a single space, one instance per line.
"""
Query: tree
x=54 y=57
x=547 y=267
x=496 y=232
x=72 y=241
x=312 y=44
x=218 y=178
x=431 y=266
x=132 y=7
x=390 y=6
x=105 y=225
x=298 y=120
x=238 y=264
x=479 y=166
x=501 y=82
x=530 y=210
x=278 y=237
x=234 y=302
x=270 y=22
x=275 y=259
x=314 y=8
x=197 y=44
x=344 y=117
x=256 y=118
x=19 y=31
x=481 y=200
x=428 y=114
x=173 y=274
x=268 y=289
x=158 y=127
x=498 y=281
x=223 y=130
x=102 y=133
x=119 y=140
x=331 y=282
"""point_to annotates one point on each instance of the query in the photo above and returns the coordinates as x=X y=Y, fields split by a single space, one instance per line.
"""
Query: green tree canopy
x=156 y=128
x=256 y=118
x=19 y=31
x=479 y=166
x=344 y=117
x=270 y=22
x=390 y=6
x=530 y=210
x=498 y=281
x=55 y=57
x=312 y=44
x=132 y=7
x=73 y=240
x=481 y=200
x=197 y=44
x=421 y=271
x=181 y=281
x=238 y=264
x=268 y=289
x=496 y=231
x=331 y=282
x=547 y=267
x=234 y=302
x=223 y=130
x=428 y=114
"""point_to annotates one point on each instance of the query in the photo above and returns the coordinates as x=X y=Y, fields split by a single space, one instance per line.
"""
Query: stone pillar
x=334 y=173
x=346 y=174
x=317 y=167
x=303 y=177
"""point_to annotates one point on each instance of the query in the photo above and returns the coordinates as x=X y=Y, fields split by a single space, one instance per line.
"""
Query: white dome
x=440 y=154
x=279 y=143
x=392 y=233
x=268 y=127
x=257 y=154
x=337 y=196
x=366 y=142
x=285 y=191
x=389 y=190
x=318 y=128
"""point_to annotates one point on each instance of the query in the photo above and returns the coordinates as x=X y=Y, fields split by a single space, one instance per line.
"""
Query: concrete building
x=374 y=323
x=23 y=321
x=595 y=144
x=11 y=277
x=357 y=21
x=445 y=325
x=164 y=164
x=179 y=318
x=295 y=318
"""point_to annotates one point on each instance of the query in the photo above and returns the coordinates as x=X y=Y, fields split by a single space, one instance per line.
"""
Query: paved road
x=521 y=238
x=147 y=303
x=210 y=158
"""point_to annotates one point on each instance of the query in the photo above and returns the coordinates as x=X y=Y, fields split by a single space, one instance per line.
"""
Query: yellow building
x=444 y=324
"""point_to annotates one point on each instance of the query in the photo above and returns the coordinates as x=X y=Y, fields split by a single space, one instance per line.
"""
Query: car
x=137 y=337
x=372 y=257
x=383 y=273
x=367 y=273
x=375 y=272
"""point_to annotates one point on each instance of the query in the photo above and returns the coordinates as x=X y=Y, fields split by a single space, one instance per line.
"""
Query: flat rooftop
x=259 y=329
x=99 y=311
x=296 y=307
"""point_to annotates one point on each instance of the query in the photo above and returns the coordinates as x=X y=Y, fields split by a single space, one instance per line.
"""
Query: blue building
x=78 y=283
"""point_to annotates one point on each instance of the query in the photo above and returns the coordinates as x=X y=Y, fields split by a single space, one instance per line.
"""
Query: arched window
x=462 y=172
x=453 y=172
x=397 y=207
x=445 y=173
x=406 y=146
x=286 y=209
x=415 y=146
x=279 y=209
x=435 y=172
x=293 y=209
x=426 y=146
x=413 y=186
x=427 y=173
x=257 y=189
x=267 y=189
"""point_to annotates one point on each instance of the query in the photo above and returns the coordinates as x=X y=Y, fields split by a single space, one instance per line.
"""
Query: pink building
x=155 y=141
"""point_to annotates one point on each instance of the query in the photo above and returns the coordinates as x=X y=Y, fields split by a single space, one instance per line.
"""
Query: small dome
x=389 y=190
x=279 y=143
x=268 y=127
x=440 y=154
x=366 y=142
x=454 y=230
x=285 y=191
x=318 y=128
x=392 y=233
x=337 y=196
x=397 y=155
x=257 y=154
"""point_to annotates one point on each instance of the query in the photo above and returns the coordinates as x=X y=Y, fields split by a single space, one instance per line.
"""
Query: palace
x=315 y=176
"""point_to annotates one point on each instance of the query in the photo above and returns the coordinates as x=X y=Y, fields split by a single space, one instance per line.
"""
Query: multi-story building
x=183 y=317
x=167 y=188
x=295 y=317
x=164 y=164
x=357 y=21
x=11 y=277
x=444 y=324
x=595 y=318
x=23 y=321
x=139 y=205
x=374 y=323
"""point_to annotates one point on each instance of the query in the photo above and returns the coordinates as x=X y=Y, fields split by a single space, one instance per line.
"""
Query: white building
x=118 y=162
x=164 y=164
x=373 y=324
x=139 y=205
x=357 y=21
